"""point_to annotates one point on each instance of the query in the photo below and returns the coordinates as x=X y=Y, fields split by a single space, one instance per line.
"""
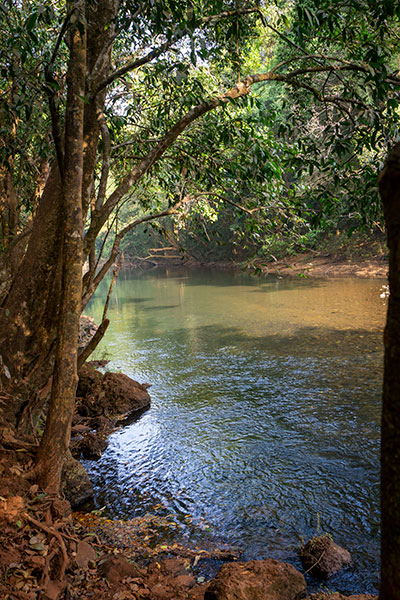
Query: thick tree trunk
x=29 y=310
x=30 y=307
x=56 y=437
x=390 y=446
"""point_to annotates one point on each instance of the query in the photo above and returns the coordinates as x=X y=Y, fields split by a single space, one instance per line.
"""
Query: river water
x=264 y=425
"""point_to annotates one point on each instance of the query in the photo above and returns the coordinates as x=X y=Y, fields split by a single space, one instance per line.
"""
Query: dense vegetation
x=115 y=114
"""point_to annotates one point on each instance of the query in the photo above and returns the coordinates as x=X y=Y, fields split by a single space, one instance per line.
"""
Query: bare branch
x=307 y=57
x=93 y=284
x=228 y=201
x=114 y=277
x=60 y=38
x=131 y=66
x=227 y=14
x=51 y=90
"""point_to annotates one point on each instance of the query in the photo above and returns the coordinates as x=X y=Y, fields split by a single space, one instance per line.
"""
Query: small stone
x=185 y=581
x=321 y=557
x=84 y=554
x=116 y=568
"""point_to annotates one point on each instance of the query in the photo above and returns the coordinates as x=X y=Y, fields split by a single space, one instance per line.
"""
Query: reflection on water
x=265 y=411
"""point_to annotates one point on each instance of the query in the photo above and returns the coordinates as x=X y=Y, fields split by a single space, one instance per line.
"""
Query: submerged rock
x=257 y=580
x=322 y=557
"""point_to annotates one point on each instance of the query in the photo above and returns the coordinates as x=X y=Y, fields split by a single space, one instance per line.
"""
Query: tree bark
x=390 y=443
x=30 y=306
x=56 y=436
x=28 y=313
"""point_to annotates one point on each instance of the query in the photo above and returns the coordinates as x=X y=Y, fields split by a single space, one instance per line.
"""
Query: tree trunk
x=56 y=437
x=390 y=446
x=30 y=307
x=29 y=310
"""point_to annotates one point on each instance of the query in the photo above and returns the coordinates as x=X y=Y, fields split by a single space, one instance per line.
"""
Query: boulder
x=75 y=483
x=257 y=580
x=109 y=393
x=322 y=557
x=91 y=446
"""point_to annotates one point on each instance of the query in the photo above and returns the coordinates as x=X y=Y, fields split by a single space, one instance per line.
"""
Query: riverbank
x=324 y=266
x=338 y=256
x=46 y=553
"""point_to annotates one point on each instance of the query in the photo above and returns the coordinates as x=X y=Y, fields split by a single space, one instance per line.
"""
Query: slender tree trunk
x=8 y=204
x=56 y=437
x=390 y=445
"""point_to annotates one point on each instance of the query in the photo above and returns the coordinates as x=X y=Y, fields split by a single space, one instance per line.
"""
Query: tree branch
x=94 y=342
x=156 y=52
x=91 y=286
x=105 y=134
x=241 y=89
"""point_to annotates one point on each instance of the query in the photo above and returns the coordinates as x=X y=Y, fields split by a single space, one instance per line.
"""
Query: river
x=264 y=425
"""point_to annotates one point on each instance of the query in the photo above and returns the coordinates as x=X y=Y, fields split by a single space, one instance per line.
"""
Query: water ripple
x=262 y=433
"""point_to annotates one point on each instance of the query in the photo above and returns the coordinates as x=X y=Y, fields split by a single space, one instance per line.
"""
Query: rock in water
x=109 y=394
x=257 y=580
x=75 y=483
x=322 y=557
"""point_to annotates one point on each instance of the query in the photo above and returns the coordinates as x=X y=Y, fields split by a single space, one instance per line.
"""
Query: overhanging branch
x=241 y=89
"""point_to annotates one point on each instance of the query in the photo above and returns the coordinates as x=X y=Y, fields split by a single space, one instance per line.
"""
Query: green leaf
x=31 y=21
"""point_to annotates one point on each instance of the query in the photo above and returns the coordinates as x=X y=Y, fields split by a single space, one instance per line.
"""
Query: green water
x=264 y=424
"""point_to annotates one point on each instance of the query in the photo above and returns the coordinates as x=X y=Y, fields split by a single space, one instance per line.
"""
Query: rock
x=101 y=362
x=84 y=554
x=11 y=508
x=322 y=557
x=89 y=379
x=185 y=581
x=54 y=589
x=80 y=429
x=116 y=568
x=109 y=394
x=175 y=566
x=257 y=580
x=160 y=592
x=75 y=483
x=90 y=441
x=87 y=329
x=60 y=509
x=92 y=446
